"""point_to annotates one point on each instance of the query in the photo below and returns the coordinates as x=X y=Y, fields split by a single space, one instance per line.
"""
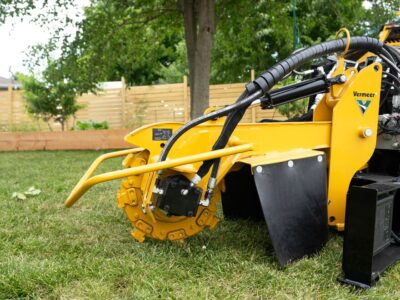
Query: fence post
x=11 y=107
x=123 y=101
x=253 y=109
x=185 y=99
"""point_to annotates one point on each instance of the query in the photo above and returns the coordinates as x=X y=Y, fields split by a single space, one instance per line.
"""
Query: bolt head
x=367 y=132
x=290 y=163
x=259 y=169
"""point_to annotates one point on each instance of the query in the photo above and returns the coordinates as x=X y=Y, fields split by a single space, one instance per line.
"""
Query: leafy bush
x=91 y=125
x=50 y=98
x=294 y=109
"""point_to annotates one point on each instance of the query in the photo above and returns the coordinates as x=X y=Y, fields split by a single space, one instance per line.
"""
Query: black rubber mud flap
x=294 y=203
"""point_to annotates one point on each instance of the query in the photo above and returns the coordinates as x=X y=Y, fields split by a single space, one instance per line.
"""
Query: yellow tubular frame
x=72 y=198
x=86 y=182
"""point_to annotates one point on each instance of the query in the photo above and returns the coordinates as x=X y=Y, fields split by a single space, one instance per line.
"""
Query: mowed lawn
x=86 y=252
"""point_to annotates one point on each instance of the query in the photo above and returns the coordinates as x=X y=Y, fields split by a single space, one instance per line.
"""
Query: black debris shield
x=294 y=203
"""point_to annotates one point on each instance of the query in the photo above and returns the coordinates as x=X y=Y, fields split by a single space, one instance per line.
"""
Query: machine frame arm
x=87 y=181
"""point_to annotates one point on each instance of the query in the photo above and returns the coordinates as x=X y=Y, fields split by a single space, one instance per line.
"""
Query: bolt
x=367 y=132
x=342 y=78
x=320 y=158
x=184 y=192
x=259 y=169
x=290 y=163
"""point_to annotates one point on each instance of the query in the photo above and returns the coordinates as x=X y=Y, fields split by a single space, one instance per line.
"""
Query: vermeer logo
x=358 y=94
x=363 y=104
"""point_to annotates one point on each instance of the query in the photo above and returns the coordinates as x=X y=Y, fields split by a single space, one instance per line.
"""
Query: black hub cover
x=173 y=201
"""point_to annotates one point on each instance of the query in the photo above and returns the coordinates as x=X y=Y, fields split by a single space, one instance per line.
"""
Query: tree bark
x=199 y=21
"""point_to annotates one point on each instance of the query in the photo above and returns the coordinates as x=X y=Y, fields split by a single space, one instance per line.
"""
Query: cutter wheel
x=154 y=222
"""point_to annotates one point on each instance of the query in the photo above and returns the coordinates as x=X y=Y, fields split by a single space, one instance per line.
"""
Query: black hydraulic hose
x=386 y=53
x=392 y=56
x=232 y=118
x=230 y=124
x=392 y=77
x=276 y=73
x=273 y=75
x=212 y=115
x=212 y=182
x=265 y=82
x=391 y=85
x=394 y=68
x=395 y=54
x=303 y=89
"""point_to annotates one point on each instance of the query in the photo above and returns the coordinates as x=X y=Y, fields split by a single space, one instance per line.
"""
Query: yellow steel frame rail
x=87 y=181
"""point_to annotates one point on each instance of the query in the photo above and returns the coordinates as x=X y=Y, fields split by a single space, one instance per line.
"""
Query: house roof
x=6 y=82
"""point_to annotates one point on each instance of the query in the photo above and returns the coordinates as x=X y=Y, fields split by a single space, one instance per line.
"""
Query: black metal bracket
x=372 y=219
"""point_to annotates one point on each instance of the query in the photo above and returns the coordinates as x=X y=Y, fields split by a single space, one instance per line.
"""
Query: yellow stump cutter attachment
x=295 y=174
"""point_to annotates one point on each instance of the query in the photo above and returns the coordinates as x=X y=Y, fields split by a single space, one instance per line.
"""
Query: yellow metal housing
x=346 y=135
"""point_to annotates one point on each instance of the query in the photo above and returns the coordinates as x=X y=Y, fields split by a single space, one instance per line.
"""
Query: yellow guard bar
x=87 y=182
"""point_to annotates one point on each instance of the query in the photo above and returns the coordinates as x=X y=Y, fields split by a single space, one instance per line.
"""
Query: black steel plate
x=294 y=204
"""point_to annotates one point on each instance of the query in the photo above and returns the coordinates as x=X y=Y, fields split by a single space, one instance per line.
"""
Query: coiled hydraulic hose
x=261 y=86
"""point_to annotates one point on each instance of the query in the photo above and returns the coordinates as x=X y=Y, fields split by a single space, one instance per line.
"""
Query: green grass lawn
x=86 y=252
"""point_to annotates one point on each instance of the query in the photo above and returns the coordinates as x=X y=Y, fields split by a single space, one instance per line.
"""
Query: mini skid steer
x=337 y=166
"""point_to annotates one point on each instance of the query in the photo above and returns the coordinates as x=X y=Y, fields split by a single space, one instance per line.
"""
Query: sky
x=16 y=36
x=15 y=40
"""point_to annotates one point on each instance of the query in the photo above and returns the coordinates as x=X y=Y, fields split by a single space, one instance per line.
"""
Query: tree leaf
x=18 y=196
x=32 y=191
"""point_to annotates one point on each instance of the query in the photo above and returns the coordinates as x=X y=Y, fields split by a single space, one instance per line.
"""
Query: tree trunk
x=61 y=120
x=199 y=20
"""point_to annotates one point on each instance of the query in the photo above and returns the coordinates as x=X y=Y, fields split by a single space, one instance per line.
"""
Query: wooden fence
x=127 y=107
x=68 y=140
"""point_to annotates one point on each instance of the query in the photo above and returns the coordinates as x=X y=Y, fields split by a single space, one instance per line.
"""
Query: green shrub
x=91 y=125
x=293 y=109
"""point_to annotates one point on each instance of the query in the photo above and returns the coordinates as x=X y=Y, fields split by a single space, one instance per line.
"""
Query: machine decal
x=162 y=134
x=363 y=105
